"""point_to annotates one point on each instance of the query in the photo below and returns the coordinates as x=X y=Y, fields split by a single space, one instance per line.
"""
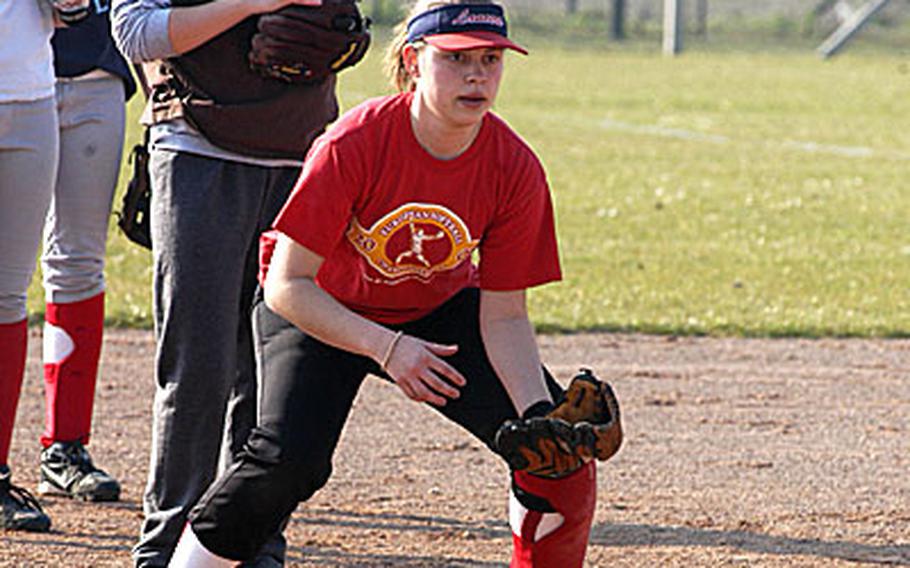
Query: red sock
x=551 y=521
x=72 y=347
x=13 y=343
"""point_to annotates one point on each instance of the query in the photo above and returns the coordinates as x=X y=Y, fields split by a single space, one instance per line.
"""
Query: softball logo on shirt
x=415 y=240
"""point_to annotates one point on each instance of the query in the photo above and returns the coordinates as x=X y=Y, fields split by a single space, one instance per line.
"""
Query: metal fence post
x=673 y=26
x=850 y=27
x=618 y=20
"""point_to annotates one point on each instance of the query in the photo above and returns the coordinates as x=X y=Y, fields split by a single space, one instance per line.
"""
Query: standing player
x=343 y=298
x=226 y=146
x=28 y=168
x=93 y=84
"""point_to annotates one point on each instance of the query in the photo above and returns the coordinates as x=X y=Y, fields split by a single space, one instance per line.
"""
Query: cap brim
x=472 y=40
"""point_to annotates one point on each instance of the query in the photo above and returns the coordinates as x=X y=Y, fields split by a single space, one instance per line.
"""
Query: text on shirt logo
x=416 y=240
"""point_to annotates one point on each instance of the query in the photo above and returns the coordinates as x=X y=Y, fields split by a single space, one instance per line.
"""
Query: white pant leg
x=29 y=146
x=92 y=118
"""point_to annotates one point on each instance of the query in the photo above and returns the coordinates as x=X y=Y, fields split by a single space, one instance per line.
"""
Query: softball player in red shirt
x=372 y=273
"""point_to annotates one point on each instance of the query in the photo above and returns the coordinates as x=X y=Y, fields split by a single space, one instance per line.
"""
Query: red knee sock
x=72 y=346
x=551 y=518
x=13 y=342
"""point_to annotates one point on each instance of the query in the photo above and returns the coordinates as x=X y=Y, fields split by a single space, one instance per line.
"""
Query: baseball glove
x=582 y=426
x=133 y=217
x=303 y=44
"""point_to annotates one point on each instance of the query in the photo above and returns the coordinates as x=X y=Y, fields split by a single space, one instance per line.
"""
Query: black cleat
x=67 y=469
x=19 y=510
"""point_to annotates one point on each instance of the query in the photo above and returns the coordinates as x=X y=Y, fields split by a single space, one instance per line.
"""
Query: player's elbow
x=276 y=290
x=284 y=294
x=273 y=295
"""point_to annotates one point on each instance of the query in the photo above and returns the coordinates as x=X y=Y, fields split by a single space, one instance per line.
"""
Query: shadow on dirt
x=603 y=534
x=651 y=535
x=344 y=559
x=443 y=528
x=49 y=542
x=400 y=522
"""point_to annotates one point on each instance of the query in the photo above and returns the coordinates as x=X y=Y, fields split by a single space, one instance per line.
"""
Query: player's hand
x=265 y=6
x=68 y=12
x=418 y=370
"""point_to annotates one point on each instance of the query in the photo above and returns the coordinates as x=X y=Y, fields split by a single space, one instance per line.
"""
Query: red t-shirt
x=397 y=227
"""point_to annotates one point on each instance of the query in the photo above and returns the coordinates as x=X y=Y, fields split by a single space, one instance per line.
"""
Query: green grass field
x=735 y=193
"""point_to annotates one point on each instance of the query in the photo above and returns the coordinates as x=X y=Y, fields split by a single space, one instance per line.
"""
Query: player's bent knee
x=250 y=502
x=288 y=464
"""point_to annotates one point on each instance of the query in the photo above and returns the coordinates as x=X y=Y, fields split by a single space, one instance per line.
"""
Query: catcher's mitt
x=584 y=425
x=303 y=44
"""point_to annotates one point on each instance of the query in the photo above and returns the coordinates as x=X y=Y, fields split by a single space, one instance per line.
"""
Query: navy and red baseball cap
x=458 y=27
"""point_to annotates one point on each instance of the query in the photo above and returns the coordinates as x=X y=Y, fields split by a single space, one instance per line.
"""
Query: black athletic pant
x=307 y=389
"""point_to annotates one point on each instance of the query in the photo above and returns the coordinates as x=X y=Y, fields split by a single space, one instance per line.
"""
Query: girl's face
x=458 y=87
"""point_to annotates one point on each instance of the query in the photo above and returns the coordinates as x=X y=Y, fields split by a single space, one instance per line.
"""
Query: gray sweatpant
x=28 y=168
x=206 y=218
x=92 y=117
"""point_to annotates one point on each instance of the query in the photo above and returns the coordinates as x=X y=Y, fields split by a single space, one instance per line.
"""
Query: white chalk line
x=800 y=146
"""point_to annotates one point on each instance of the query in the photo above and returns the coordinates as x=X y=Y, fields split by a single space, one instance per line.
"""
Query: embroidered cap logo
x=466 y=18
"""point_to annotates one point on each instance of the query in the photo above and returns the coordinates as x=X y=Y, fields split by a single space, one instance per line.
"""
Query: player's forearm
x=303 y=303
x=190 y=27
x=146 y=30
x=512 y=349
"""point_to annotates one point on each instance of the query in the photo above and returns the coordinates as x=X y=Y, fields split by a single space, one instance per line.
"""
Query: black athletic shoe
x=67 y=469
x=19 y=510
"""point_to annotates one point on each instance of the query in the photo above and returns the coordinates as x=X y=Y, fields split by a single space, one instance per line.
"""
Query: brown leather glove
x=303 y=44
x=584 y=425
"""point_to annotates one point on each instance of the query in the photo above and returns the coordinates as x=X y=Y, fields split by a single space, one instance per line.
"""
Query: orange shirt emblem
x=415 y=240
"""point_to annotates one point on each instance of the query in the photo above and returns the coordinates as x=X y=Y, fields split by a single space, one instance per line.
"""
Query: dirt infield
x=738 y=453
